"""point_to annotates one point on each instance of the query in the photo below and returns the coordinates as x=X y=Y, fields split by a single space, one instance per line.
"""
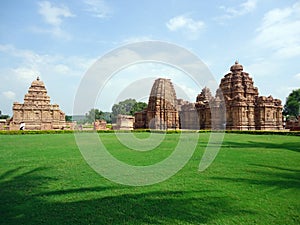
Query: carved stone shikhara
x=245 y=109
x=235 y=106
x=36 y=112
x=161 y=112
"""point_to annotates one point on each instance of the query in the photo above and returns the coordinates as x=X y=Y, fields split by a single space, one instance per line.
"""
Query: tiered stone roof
x=37 y=94
x=36 y=111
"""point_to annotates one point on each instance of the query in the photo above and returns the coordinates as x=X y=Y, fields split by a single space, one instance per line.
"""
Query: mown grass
x=253 y=180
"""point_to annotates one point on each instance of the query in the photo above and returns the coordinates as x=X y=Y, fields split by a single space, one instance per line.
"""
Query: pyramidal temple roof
x=37 y=94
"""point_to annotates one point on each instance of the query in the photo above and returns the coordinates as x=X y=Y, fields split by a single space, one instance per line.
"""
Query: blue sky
x=60 y=40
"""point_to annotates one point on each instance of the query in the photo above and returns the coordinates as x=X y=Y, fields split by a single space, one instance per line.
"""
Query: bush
x=264 y=132
x=18 y=132
x=255 y=132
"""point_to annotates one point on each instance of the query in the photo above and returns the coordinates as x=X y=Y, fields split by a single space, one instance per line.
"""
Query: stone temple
x=161 y=112
x=245 y=109
x=235 y=106
x=36 y=112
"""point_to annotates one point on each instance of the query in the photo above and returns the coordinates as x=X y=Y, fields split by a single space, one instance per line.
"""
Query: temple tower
x=36 y=112
x=161 y=112
x=235 y=106
x=245 y=109
x=239 y=95
x=202 y=104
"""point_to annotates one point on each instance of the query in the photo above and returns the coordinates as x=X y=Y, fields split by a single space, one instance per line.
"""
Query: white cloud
x=280 y=31
x=60 y=73
x=135 y=39
x=189 y=26
x=31 y=64
x=56 y=32
x=62 y=69
x=262 y=68
x=240 y=10
x=297 y=76
x=98 y=8
x=9 y=95
x=283 y=92
x=26 y=74
x=30 y=56
x=186 y=93
x=53 y=16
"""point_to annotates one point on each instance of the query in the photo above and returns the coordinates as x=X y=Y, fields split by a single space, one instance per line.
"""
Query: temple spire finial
x=38 y=78
x=236 y=62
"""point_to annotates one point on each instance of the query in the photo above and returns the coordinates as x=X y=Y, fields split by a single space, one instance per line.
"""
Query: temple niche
x=235 y=106
x=36 y=112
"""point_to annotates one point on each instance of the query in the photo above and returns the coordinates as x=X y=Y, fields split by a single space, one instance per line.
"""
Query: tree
x=292 y=105
x=96 y=114
x=3 y=116
x=137 y=107
x=122 y=108
x=106 y=116
x=92 y=115
x=127 y=107
x=68 y=118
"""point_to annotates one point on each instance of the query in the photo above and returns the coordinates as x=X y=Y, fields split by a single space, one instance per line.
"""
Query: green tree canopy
x=106 y=116
x=68 y=118
x=93 y=114
x=3 y=116
x=137 y=107
x=127 y=107
x=292 y=105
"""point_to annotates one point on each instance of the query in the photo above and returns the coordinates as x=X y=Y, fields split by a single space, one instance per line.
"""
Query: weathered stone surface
x=188 y=116
x=268 y=113
x=124 y=122
x=100 y=125
x=202 y=105
x=245 y=109
x=236 y=106
x=140 y=120
x=239 y=95
x=161 y=112
x=293 y=124
x=3 y=124
x=36 y=112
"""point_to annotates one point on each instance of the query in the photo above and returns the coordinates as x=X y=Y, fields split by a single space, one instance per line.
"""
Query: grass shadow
x=271 y=176
x=24 y=201
x=293 y=146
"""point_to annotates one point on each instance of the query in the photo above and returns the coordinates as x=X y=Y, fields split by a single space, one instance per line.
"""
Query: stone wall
x=124 y=122
x=100 y=125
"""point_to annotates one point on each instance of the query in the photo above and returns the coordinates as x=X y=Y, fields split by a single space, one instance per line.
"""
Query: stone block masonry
x=36 y=112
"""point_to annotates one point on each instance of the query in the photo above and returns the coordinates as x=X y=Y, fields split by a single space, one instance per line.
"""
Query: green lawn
x=253 y=180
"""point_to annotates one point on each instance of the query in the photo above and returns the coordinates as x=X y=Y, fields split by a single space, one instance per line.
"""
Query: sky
x=59 y=41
